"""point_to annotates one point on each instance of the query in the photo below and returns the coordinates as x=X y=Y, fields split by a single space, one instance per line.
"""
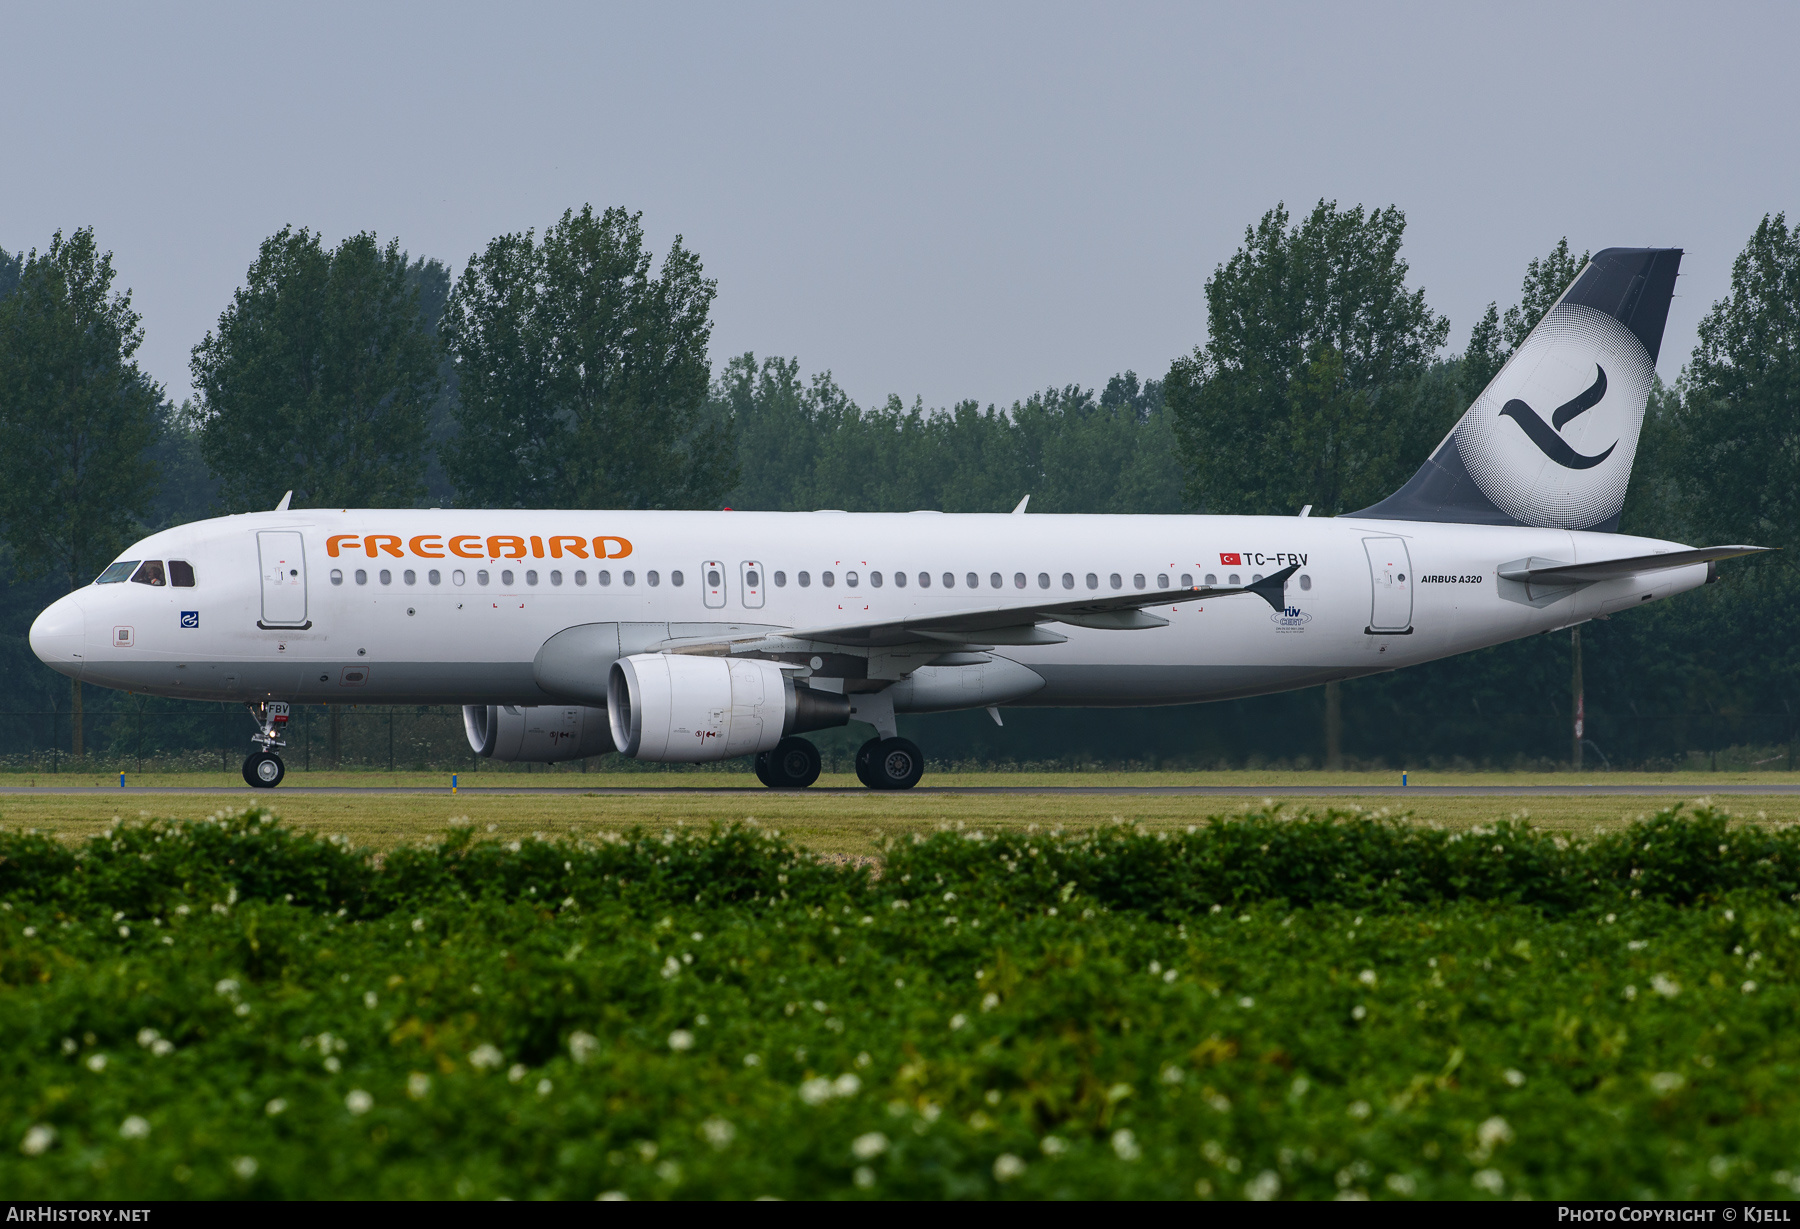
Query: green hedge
x=1266 y=1006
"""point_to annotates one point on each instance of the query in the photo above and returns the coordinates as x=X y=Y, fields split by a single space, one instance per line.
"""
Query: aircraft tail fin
x=1550 y=441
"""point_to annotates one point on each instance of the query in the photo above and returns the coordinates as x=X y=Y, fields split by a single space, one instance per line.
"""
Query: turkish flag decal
x=1233 y=560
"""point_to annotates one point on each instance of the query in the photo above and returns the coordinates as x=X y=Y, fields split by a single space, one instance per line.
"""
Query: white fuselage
x=453 y=606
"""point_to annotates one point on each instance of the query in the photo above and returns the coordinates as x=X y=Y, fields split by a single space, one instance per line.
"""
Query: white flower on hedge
x=671 y=967
x=990 y=1001
x=582 y=1046
x=244 y=1167
x=815 y=1091
x=1264 y=1186
x=516 y=1073
x=868 y=1147
x=1489 y=1180
x=134 y=1127
x=358 y=1102
x=846 y=1085
x=227 y=986
x=1359 y=1109
x=1125 y=1144
x=1513 y=1076
x=418 y=924
x=370 y=999
x=147 y=1037
x=957 y=1021
x=275 y=1106
x=1053 y=1145
x=486 y=1057
x=1665 y=985
x=37 y=1140
x=96 y=1063
x=1493 y=1132
x=418 y=1086
x=1749 y=987
x=1367 y=977
x=1665 y=1082
x=864 y=1177
x=718 y=1132
x=680 y=1040
x=544 y=1087
x=1007 y=1167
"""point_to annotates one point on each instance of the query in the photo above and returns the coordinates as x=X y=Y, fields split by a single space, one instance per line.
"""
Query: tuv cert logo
x=1291 y=619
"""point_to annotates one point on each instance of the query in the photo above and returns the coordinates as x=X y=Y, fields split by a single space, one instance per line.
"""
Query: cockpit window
x=150 y=572
x=181 y=574
x=116 y=573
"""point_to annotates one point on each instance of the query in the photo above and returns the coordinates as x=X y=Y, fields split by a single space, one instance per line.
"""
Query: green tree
x=1301 y=394
x=76 y=418
x=1739 y=421
x=320 y=379
x=11 y=268
x=431 y=280
x=583 y=377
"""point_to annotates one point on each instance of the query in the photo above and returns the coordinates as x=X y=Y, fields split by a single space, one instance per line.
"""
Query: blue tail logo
x=1544 y=434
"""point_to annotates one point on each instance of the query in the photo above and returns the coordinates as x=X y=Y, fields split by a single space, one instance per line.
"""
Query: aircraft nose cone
x=59 y=635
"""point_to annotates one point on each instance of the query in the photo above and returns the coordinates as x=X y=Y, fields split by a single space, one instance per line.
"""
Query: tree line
x=572 y=368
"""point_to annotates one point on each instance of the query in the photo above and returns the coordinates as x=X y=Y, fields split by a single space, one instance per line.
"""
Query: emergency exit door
x=283 y=558
x=751 y=579
x=1390 y=574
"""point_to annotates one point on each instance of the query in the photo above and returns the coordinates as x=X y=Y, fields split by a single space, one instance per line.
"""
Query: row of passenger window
x=507 y=577
x=995 y=580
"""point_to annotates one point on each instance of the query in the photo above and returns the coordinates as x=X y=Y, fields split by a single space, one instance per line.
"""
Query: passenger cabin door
x=1390 y=572
x=751 y=581
x=283 y=557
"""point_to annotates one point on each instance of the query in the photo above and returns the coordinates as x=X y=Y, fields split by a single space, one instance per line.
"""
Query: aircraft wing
x=1550 y=572
x=1004 y=624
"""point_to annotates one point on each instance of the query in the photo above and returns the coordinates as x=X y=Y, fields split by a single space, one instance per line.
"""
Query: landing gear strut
x=264 y=769
x=890 y=763
x=793 y=764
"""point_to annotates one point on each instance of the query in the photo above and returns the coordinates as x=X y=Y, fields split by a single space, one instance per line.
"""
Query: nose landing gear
x=264 y=769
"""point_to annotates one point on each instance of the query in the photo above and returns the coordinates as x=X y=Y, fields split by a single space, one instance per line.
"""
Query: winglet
x=283 y=505
x=1020 y=510
x=1273 y=588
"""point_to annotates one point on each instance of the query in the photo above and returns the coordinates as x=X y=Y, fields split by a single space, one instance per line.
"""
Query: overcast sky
x=952 y=201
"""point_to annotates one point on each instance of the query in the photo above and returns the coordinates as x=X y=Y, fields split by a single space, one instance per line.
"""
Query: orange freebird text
x=478 y=546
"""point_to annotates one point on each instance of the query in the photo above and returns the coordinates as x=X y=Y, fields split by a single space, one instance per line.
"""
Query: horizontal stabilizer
x=1551 y=572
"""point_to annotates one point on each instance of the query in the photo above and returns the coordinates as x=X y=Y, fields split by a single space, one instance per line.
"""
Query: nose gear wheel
x=264 y=770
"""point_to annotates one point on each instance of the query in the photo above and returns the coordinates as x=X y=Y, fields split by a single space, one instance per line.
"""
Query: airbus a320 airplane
x=696 y=636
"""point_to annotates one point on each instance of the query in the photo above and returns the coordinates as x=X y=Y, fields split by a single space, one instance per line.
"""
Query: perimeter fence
x=161 y=736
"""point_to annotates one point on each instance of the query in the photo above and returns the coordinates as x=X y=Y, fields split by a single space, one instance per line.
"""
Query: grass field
x=857 y=822
x=1255 y=1008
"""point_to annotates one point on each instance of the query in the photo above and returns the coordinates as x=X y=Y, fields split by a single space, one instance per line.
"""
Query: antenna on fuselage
x=283 y=505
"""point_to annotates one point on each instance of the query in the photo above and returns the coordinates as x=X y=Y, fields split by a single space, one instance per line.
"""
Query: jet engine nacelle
x=542 y=734
x=676 y=708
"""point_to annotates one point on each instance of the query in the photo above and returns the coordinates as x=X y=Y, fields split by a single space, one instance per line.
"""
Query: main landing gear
x=793 y=764
x=890 y=763
x=264 y=769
